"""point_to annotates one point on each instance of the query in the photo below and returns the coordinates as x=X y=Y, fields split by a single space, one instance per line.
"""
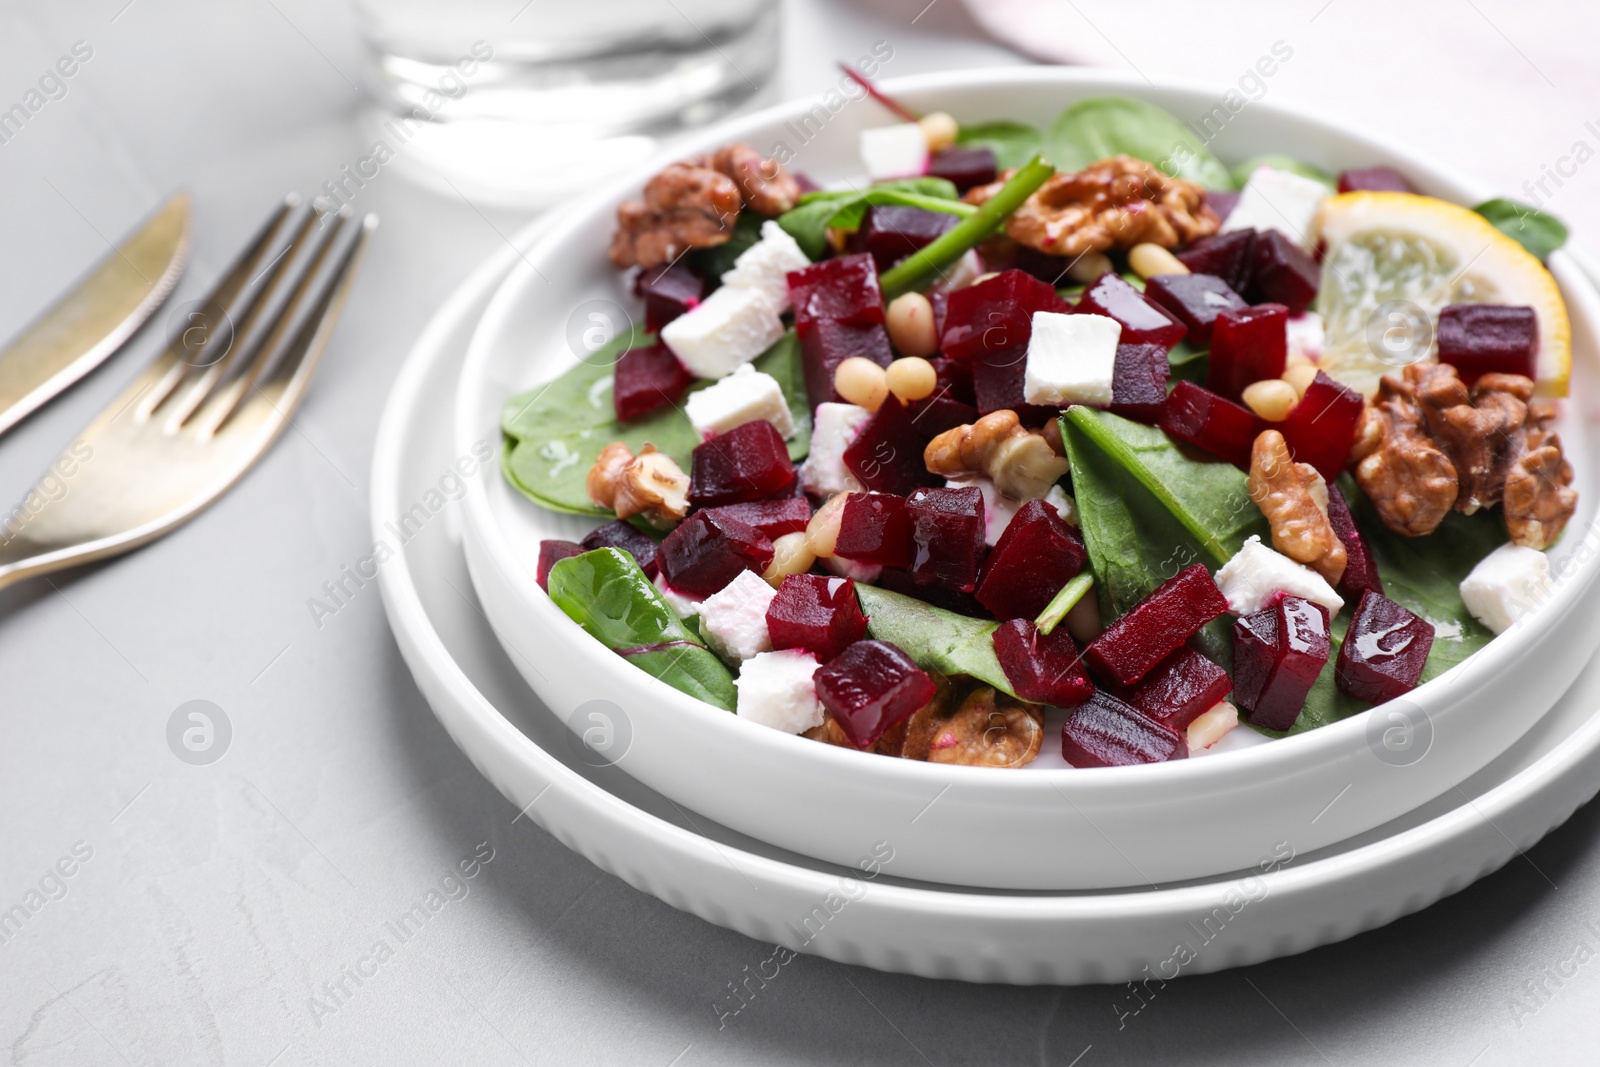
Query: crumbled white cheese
x=765 y=265
x=899 y=151
x=1306 y=336
x=743 y=396
x=682 y=606
x=1278 y=200
x=1249 y=579
x=960 y=274
x=729 y=328
x=866 y=573
x=824 y=472
x=1505 y=585
x=1072 y=359
x=776 y=689
x=734 y=619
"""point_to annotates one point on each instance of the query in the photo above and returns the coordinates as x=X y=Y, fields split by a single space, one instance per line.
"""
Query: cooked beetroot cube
x=1037 y=553
x=1223 y=255
x=946 y=536
x=1179 y=689
x=774 y=517
x=1282 y=272
x=1208 y=421
x=875 y=528
x=954 y=378
x=1106 y=732
x=869 y=687
x=963 y=167
x=824 y=345
x=1277 y=654
x=1360 y=569
x=706 y=551
x=887 y=453
x=632 y=540
x=1139 y=382
x=1043 y=668
x=1142 y=322
x=1248 y=344
x=1153 y=629
x=668 y=292
x=647 y=379
x=551 y=553
x=1194 y=300
x=1222 y=202
x=934 y=415
x=901 y=580
x=997 y=384
x=1321 y=428
x=844 y=290
x=816 y=612
x=1479 y=339
x=995 y=316
x=1384 y=650
x=1374 y=179
x=748 y=462
x=891 y=232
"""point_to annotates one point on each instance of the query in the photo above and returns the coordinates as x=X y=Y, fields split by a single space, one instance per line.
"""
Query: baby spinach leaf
x=1241 y=172
x=936 y=639
x=553 y=432
x=1013 y=143
x=808 y=222
x=1112 y=125
x=717 y=260
x=1536 y=231
x=606 y=593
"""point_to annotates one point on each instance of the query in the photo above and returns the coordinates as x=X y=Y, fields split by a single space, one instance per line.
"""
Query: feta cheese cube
x=960 y=274
x=824 y=473
x=682 y=606
x=865 y=573
x=1306 y=336
x=1505 y=585
x=734 y=619
x=1249 y=579
x=1071 y=359
x=743 y=396
x=725 y=330
x=894 y=151
x=776 y=690
x=765 y=265
x=1278 y=200
x=1065 y=506
x=999 y=509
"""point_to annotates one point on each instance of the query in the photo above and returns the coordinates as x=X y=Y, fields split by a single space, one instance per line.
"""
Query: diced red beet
x=630 y=539
x=1222 y=202
x=818 y=613
x=1248 y=344
x=1479 y=339
x=773 y=517
x=946 y=536
x=934 y=415
x=647 y=379
x=1222 y=255
x=1106 y=732
x=1179 y=689
x=963 y=167
x=1384 y=650
x=748 y=462
x=891 y=232
x=875 y=528
x=668 y=292
x=1194 y=300
x=1208 y=421
x=1277 y=654
x=1282 y=272
x=869 y=687
x=1143 y=322
x=1360 y=569
x=901 y=580
x=844 y=289
x=706 y=551
x=1037 y=553
x=1152 y=629
x=1139 y=382
x=1043 y=668
x=995 y=316
x=997 y=384
x=551 y=553
x=1321 y=428
x=825 y=344
x=887 y=452
x=1378 y=179
x=953 y=378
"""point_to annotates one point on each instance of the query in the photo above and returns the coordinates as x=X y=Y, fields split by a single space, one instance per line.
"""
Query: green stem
x=953 y=244
x=1064 y=601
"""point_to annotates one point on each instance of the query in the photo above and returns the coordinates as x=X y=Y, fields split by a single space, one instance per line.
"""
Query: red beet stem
x=872 y=91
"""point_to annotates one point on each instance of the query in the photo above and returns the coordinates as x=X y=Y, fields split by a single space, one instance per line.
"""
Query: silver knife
x=98 y=315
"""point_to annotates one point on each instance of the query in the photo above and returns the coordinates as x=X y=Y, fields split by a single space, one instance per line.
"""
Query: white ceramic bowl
x=1048 y=826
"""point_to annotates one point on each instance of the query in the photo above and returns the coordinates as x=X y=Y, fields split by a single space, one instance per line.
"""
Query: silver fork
x=197 y=419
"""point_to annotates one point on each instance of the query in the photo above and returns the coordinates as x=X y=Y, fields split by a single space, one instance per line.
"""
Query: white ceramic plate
x=886 y=922
x=1048 y=826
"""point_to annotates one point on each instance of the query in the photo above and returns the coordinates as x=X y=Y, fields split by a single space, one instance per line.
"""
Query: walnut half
x=649 y=484
x=1294 y=498
x=1020 y=462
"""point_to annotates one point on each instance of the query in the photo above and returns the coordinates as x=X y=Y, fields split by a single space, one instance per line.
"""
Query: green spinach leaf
x=809 y=221
x=936 y=639
x=1013 y=143
x=1241 y=173
x=1536 y=231
x=717 y=260
x=606 y=593
x=1111 y=125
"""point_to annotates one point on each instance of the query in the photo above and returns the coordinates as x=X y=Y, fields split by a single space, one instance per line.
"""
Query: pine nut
x=791 y=554
x=1300 y=376
x=1272 y=399
x=909 y=320
x=861 y=381
x=912 y=378
x=940 y=130
x=822 y=533
x=1088 y=268
x=1148 y=260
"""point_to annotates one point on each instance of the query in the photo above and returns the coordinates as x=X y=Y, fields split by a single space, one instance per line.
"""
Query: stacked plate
x=1042 y=875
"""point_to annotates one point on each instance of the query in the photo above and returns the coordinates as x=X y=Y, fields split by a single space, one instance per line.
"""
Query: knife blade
x=101 y=312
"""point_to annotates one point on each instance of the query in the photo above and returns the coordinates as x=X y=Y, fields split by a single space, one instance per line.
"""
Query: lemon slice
x=1392 y=260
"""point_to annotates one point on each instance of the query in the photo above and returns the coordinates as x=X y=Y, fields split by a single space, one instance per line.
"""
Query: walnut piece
x=1020 y=462
x=965 y=723
x=1538 y=496
x=1412 y=483
x=1294 y=498
x=649 y=484
x=763 y=184
x=1115 y=203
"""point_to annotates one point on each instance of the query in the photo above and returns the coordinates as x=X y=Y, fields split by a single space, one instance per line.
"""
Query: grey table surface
x=209 y=906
